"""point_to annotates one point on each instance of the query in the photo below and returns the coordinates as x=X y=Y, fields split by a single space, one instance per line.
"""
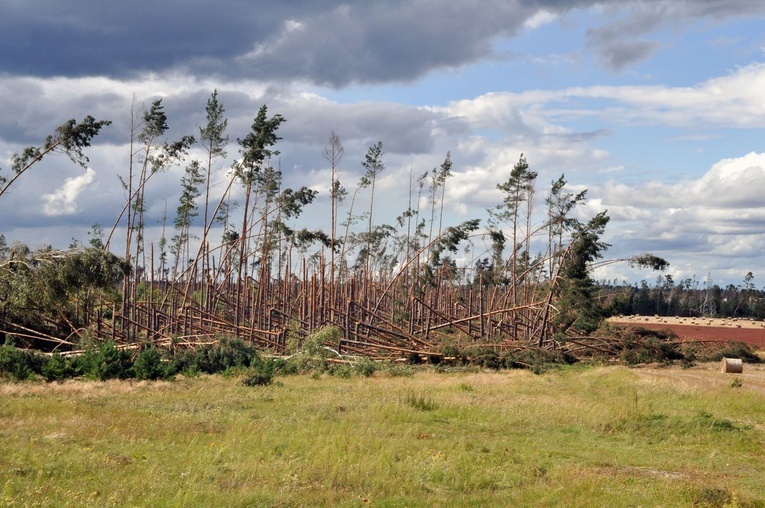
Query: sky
x=656 y=107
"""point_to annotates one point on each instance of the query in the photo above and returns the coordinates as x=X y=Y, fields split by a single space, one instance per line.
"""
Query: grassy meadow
x=585 y=436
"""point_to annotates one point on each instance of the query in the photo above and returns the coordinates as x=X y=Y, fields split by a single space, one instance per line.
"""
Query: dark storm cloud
x=80 y=38
x=322 y=42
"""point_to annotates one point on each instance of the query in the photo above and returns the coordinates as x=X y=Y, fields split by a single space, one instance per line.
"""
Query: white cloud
x=541 y=18
x=64 y=200
x=734 y=100
x=711 y=223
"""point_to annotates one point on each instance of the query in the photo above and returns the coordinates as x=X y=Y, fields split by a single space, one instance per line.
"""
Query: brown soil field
x=739 y=330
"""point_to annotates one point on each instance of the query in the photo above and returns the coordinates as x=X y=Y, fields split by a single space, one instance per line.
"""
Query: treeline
x=239 y=265
x=688 y=298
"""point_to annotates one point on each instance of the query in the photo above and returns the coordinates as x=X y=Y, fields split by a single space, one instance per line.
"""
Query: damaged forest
x=238 y=264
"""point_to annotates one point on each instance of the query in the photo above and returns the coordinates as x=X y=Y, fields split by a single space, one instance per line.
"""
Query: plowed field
x=751 y=332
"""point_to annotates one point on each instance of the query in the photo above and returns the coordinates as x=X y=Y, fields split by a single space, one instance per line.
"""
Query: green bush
x=186 y=362
x=213 y=359
x=149 y=365
x=229 y=353
x=365 y=366
x=15 y=363
x=259 y=378
x=482 y=356
x=735 y=350
x=649 y=350
x=58 y=368
x=106 y=361
x=538 y=360
x=313 y=351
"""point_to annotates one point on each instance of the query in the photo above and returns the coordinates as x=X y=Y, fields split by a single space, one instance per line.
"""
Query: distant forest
x=687 y=298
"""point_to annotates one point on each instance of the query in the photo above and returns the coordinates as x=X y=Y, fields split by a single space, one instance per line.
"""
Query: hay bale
x=732 y=366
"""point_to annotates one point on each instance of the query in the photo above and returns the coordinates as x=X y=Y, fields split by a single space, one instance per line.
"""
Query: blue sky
x=657 y=107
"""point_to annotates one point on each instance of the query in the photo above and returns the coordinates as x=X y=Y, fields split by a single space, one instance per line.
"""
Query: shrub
x=106 y=362
x=482 y=356
x=313 y=351
x=15 y=363
x=648 y=350
x=735 y=350
x=538 y=360
x=641 y=345
x=259 y=378
x=149 y=365
x=228 y=353
x=58 y=368
x=365 y=366
x=186 y=362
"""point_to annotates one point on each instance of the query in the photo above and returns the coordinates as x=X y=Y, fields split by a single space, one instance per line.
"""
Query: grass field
x=594 y=436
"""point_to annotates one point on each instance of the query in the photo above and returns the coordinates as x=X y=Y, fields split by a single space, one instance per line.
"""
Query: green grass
x=573 y=437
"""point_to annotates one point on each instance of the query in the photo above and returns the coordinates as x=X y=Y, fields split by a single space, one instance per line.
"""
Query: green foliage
x=649 y=349
x=51 y=291
x=313 y=351
x=578 y=311
x=648 y=261
x=482 y=356
x=212 y=134
x=15 y=363
x=259 y=378
x=363 y=366
x=149 y=364
x=538 y=360
x=58 y=368
x=216 y=358
x=105 y=361
x=70 y=138
x=733 y=350
x=256 y=146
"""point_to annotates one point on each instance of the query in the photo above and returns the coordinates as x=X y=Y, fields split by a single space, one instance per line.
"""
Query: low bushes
x=227 y=356
x=315 y=355
x=108 y=361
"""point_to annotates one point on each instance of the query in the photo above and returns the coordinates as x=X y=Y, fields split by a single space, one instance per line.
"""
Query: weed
x=419 y=401
x=736 y=382
x=465 y=387
x=258 y=378
x=712 y=497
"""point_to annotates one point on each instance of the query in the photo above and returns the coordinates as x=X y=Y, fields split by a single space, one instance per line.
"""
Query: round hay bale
x=732 y=366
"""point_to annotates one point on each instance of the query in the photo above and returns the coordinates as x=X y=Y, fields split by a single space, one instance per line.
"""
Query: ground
x=739 y=330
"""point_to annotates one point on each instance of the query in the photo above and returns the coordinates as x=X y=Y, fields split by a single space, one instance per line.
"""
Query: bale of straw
x=732 y=366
